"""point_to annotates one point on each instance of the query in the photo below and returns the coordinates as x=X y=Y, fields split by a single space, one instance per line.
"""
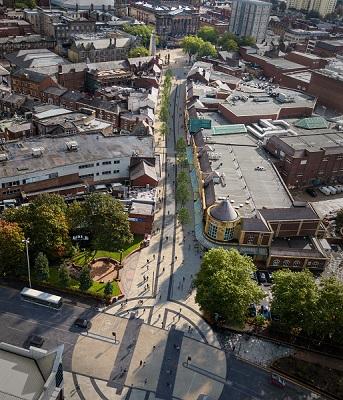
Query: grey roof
x=254 y=225
x=224 y=211
x=30 y=74
x=55 y=91
x=35 y=58
x=72 y=95
x=289 y=214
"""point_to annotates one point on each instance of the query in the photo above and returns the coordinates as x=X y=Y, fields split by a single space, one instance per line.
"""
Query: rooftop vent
x=72 y=145
x=3 y=157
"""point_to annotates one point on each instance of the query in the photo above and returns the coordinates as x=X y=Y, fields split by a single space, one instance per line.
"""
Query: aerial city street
x=171 y=200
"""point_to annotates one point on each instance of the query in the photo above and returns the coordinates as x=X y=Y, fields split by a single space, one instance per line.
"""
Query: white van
x=339 y=188
x=325 y=190
x=332 y=189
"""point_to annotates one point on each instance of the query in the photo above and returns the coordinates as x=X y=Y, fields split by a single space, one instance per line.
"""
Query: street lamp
x=27 y=241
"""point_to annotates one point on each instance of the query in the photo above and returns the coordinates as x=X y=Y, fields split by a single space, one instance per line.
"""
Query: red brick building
x=31 y=83
x=309 y=60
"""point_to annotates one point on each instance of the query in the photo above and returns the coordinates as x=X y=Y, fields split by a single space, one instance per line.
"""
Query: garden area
x=55 y=230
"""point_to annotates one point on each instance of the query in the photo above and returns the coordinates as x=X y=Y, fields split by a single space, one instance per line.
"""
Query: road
x=168 y=319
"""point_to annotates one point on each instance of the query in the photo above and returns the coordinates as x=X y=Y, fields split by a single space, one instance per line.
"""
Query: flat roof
x=304 y=76
x=238 y=156
x=295 y=247
x=20 y=377
x=315 y=141
x=91 y=147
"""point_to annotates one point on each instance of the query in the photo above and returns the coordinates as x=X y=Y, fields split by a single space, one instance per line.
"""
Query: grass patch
x=97 y=287
x=84 y=257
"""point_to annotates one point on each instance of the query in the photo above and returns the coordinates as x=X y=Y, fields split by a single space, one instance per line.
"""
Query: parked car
x=325 y=190
x=311 y=192
x=332 y=189
x=269 y=277
x=82 y=323
x=277 y=380
x=35 y=340
x=262 y=277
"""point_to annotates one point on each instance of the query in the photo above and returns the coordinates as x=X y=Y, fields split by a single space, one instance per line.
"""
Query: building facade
x=250 y=18
x=323 y=7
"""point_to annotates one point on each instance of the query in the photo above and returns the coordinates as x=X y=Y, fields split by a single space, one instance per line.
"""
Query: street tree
x=208 y=34
x=64 y=276
x=231 y=45
x=108 y=289
x=329 y=316
x=105 y=222
x=142 y=31
x=207 y=49
x=191 y=45
x=182 y=193
x=12 y=249
x=139 y=51
x=181 y=145
x=295 y=297
x=183 y=216
x=41 y=267
x=85 y=280
x=224 y=285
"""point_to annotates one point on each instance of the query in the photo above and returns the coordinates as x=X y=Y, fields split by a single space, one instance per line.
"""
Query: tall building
x=250 y=18
x=323 y=7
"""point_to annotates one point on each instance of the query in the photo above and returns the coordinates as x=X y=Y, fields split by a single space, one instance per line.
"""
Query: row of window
x=116 y=171
x=97 y=164
x=213 y=230
x=296 y=263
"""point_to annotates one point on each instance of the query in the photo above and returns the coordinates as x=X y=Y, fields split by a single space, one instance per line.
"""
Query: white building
x=250 y=18
x=323 y=7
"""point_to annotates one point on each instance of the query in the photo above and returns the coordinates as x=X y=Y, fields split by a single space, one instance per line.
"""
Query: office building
x=250 y=18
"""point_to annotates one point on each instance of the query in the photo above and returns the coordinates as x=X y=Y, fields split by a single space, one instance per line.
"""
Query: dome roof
x=224 y=211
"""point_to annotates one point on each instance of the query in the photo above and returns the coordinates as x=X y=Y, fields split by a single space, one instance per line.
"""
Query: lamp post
x=27 y=241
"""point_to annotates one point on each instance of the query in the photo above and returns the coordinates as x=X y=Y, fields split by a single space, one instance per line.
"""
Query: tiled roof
x=289 y=214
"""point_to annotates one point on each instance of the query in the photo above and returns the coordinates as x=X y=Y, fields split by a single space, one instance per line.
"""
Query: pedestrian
x=143 y=310
x=147 y=261
x=144 y=278
x=163 y=269
x=159 y=316
x=183 y=278
x=153 y=347
x=160 y=296
x=140 y=363
x=144 y=364
x=162 y=260
x=191 y=276
x=175 y=257
x=147 y=267
x=153 y=256
x=145 y=381
x=180 y=310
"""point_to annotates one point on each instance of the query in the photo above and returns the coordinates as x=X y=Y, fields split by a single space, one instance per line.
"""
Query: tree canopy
x=224 y=285
x=208 y=34
x=12 y=249
x=41 y=267
x=139 y=51
x=142 y=31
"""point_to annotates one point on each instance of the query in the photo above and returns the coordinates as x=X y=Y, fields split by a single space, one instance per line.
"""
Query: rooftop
x=233 y=159
x=304 y=76
x=91 y=147
x=34 y=58
x=296 y=247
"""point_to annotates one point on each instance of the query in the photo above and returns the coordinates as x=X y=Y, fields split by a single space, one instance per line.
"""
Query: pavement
x=154 y=344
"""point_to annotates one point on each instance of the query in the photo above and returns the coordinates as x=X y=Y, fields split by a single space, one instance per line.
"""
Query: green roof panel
x=229 y=129
x=312 y=123
x=195 y=124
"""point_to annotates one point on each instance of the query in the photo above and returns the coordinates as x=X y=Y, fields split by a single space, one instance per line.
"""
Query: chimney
x=103 y=8
x=203 y=72
x=92 y=7
x=59 y=68
x=110 y=41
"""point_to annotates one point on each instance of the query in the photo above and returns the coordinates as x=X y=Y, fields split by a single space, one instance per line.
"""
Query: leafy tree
x=105 y=222
x=108 y=289
x=208 y=34
x=12 y=249
x=247 y=41
x=207 y=49
x=63 y=276
x=41 y=267
x=85 y=280
x=191 y=45
x=182 y=193
x=224 y=285
x=142 y=31
x=223 y=39
x=295 y=296
x=183 y=216
x=329 y=316
x=138 y=52
x=231 y=45
x=181 y=145
x=182 y=177
x=46 y=223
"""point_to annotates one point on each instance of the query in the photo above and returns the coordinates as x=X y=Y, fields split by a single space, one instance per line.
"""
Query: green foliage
x=183 y=216
x=231 y=45
x=41 y=267
x=12 y=249
x=164 y=111
x=108 y=290
x=45 y=222
x=247 y=41
x=104 y=220
x=25 y=4
x=224 y=285
x=142 y=31
x=295 y=295
x=207 y=49
x=63 y=276
x=259 y=320
x=181 y=145
x=182 y=193
x=138 y=52
x=194 y=45
x=85 y=280
x=208 y=34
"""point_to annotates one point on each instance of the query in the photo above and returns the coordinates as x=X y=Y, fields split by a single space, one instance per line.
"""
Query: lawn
x=84 y=257
x=96 y=288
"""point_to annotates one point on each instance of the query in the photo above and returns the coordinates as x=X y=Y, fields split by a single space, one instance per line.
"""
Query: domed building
x=223 y=223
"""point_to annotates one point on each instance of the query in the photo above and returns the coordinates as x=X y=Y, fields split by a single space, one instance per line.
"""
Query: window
x=276 y=262
x=296 y=263
x=302 y=162
x=87 y=176
x=116 y=171
x=106 y=172
x=86 y=166
x=106 y=162
x=116 y=161
x=53 y=175
x=286 y=263
x=228 y=234
x=212 y=231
